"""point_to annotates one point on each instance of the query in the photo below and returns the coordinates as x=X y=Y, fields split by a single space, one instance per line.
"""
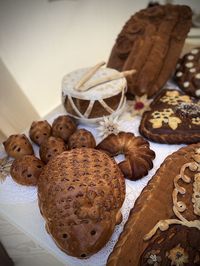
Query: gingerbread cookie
x=173 y=118
x=163 y=227
x=187 y=74
x=151 y=42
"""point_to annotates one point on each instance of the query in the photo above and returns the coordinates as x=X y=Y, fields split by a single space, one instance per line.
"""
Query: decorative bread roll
x=80 y=194
x=63 y=126
x=151 y=42
x=26 y=170
x=138 y=156
x=187 y=73
x=39 y=131
x=18 y=145
x=81 y=138
x=51 y=147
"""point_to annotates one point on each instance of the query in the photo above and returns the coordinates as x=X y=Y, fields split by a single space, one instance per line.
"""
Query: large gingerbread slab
x=173 y=118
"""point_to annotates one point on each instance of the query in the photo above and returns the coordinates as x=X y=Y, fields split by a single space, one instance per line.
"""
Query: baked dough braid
x=138 y=155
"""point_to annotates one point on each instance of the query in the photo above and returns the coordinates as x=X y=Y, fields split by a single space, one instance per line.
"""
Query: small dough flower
x=108 y=126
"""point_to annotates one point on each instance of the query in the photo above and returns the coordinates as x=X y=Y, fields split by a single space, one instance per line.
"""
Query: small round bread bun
x=18 y=145
x=39 y=131
x=81 y=138
x=26 y=170
x=51 y=147
x=63 y=126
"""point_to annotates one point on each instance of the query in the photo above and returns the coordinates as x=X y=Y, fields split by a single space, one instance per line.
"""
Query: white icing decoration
x=179 y=74
x=194 y=51
x=197 y=76
x=192 y=70
x=190 y=57
x=178 y=206
x=197 y=92
x=189 y=65
x=186 y=84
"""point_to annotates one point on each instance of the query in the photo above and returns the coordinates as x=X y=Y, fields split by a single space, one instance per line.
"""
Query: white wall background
x=40 y=41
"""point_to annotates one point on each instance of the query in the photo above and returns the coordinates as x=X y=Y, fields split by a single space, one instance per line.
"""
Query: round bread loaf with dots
x=26 y=170
x=81 y=138
x=80 y=194
x=39 y=131
x=187 y=74
x=18 y=145
x=63 y=126
x=51 y=147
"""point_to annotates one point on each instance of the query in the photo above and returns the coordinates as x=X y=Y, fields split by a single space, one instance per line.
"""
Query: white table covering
x=19 y=204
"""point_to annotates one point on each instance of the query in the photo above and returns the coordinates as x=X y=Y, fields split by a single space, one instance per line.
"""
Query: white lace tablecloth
x=19 y=203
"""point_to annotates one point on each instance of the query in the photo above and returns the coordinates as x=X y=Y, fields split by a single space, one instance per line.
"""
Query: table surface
x=27 y=217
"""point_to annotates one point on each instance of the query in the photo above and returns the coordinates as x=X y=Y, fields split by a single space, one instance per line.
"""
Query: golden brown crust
x=172 y=119
x=26 y=170
x=151 y=42
x=39 y=131
x=81 y=138
x=18 y=145
x=138 y=156
x=154 y=204
x=63 y=126
x=51 y=147
x=80 y=195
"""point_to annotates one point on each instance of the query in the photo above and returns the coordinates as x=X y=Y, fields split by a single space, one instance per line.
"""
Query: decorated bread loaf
x=138 y=155
x=80 y=194
x=187 y=73
x=39 y=131
x=26 y=170
x=163 y=227
x=51 y=147
x=81 y=138
x=63 y=126
x=18 y=145
x=151 y=42
x=173 y=118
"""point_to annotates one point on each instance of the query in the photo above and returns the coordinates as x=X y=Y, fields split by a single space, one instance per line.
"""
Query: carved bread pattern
x=151 y=42
x=81 y=138
x=63 y=126
x=138 y=155
x=39 y=131
x=51 y=147
x=165 y=190
x=26 y=170
x=80 y=195
x=18 y=145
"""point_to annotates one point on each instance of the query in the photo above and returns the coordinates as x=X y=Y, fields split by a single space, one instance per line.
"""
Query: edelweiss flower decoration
x=108 y=126
x=139 y=105
x=5 y=165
